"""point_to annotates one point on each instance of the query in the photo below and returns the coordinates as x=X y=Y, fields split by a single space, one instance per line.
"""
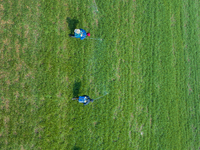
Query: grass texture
x=147 y=61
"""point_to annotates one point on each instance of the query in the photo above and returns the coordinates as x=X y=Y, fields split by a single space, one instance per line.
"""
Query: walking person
x=80 y=33
x=83 y=99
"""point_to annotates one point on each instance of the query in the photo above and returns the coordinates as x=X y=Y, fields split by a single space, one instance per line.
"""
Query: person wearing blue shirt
x=83 y=99
x=80 y=33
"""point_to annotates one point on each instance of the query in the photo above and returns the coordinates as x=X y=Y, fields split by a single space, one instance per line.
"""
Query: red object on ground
x=88 y=34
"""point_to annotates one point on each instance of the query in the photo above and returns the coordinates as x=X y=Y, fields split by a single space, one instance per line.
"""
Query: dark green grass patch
x=147 y=62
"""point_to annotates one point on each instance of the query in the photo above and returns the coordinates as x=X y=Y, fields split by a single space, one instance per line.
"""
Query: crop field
x=141 y=64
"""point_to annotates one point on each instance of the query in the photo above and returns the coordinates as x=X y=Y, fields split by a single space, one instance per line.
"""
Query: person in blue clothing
x=80 y=33
x=83 y=99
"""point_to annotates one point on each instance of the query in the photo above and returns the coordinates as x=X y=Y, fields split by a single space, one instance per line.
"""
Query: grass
x=147 y=61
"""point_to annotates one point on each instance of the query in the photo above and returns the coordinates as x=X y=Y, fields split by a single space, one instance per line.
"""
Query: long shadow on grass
x=76 y=88
x=72 y=24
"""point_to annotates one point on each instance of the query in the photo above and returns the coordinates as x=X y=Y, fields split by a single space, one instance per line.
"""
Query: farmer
x=83 y=99
x=80 y=33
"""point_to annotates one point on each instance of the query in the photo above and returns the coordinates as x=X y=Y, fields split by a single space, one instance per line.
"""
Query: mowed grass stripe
x=24 y=74
x=191 y=33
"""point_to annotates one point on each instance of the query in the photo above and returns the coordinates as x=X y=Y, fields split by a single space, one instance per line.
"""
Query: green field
x=147 y=61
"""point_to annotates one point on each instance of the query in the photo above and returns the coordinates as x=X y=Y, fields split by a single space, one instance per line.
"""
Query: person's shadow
x=72 y=24
x=76 y=88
